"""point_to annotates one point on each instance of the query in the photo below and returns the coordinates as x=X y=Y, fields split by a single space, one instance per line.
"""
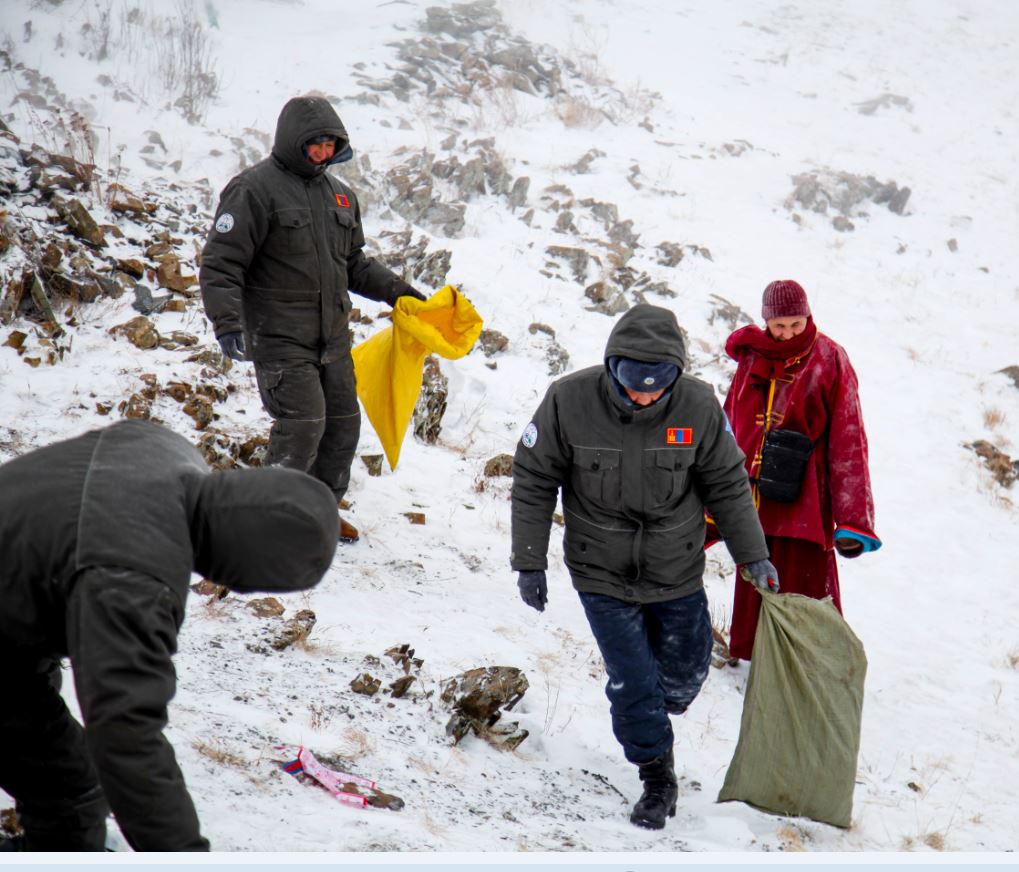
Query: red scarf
x=771 y=358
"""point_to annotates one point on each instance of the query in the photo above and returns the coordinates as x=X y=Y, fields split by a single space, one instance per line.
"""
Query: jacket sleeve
x=848 y=466
x=122 y=633
x=540 y=468
x=721 y=481
x=365 y=275
x=240 y=228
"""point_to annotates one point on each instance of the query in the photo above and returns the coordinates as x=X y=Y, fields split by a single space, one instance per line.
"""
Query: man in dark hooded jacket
x=283 y=252
x=638 y=450
x=99 y=536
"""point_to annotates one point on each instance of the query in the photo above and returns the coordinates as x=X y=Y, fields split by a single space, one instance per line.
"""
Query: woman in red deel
x=795 y=412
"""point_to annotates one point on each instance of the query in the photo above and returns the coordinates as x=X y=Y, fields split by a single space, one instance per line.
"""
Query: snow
x=927 y=329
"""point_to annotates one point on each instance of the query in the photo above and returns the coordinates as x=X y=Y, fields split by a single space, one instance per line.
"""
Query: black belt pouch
x=783 y=464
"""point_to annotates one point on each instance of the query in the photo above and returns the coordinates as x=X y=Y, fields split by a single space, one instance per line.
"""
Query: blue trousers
x=657 y=658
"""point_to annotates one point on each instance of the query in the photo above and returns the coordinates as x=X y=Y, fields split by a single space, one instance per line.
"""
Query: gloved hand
x=761 y=574
x=533 y=588
x=850 y=542
x=232 y=345
x=410 y=292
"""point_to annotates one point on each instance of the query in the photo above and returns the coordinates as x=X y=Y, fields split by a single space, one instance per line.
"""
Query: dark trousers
x=657 y=658
x=44 y=763
x=317 y=419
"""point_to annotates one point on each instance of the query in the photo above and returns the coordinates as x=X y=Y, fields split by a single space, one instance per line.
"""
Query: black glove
x=410 y=292
x=761 y=574
x=232 y=345
x=533 y=588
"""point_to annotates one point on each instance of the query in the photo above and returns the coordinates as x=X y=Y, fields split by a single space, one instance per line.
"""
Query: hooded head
x=648 y=334
x=302 y=120
x=646 y=351
x=264 y=530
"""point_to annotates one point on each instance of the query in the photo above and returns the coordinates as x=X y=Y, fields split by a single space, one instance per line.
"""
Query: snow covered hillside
x=559 y=163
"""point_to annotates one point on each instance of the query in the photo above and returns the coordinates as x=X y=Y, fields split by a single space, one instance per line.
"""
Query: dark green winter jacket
x=99 y=536
x=635 y=480
x=287 y=245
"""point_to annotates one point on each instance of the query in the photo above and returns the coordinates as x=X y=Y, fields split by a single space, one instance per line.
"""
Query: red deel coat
x=815 y=392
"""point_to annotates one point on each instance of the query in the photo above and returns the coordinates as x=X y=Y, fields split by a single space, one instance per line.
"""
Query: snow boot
x=348 y=532
x=660 y=793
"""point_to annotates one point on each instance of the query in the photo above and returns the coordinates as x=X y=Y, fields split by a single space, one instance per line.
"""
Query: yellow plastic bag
x=390 y=364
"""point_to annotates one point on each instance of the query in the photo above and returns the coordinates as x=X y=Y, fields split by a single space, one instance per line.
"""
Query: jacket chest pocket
x=667 y=474
x=292 y=232
x=342 y=227
x=597 y=474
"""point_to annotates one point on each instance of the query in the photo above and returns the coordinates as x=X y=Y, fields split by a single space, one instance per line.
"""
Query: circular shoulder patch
x=530 y=436
x=225 y=223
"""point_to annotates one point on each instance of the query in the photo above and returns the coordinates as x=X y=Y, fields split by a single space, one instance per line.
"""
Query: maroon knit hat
x=784 y=299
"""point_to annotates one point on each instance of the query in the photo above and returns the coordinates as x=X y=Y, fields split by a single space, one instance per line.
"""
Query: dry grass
x=217 y=753
x=578 y=112
x=792 y=838
x=358 y=743
x=993 y=418
x=935 y=841
x=1012 y=658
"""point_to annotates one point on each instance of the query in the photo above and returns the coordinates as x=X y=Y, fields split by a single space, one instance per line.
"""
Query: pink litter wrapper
x=330 y=779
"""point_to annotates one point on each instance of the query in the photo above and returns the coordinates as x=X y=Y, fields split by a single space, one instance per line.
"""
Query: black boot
x=660 y=792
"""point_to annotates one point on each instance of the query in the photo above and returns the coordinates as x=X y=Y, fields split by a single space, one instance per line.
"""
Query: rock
x=16 y=340
x=132 y=266
x=492 y=342
x=538 y=327
x=365 y=683
x=564 y=222
x=584 y=164
x=199 y=408
x=294 y=630
x=518 y=193
x=478 y=698
x=140 y=332
x=252 y=451
x=136 y=406
x=500 y=465
x=415 y=517
x=669 y=253
x=179 y=391
x=1003 y=468
x=374 y=463
x=79 y=221
x=104 y=408
x=169 y=275
x=122 y=200
x=145 y=303
x=577 y=258
x=558 y=358
x=606 y=300
x=266 y=607
x=1012 y=372
x=400 y=687
x=178 y=339
x=205 y=587
x=842 y=224
x=431 y=404
x=728 y=312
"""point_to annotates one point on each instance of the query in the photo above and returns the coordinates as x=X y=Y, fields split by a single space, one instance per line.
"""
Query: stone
x=606 y=300
x=136 y=406
x=478 y=698
x=374 y=463
x=577 y=259
x=294 y=630
x=266 y=607
x=79 y=221
x=205 y=587
x=139 y=331
x=518 y=193
x=132 y=266
x=669 y=253
x=400 y=687
x=492 y=342
x=122 y=200
x=199 y=408
x=1012 y=372
x=366 y=684
x=1003 y=468
x=417 y=518
x=169 y=275
x=431 y=404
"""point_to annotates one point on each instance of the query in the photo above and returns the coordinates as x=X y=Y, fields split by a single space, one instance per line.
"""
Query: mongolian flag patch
x=342 y=201
x=679 y=436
